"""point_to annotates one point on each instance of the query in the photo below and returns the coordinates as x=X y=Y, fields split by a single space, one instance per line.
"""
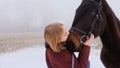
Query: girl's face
x=64 y=34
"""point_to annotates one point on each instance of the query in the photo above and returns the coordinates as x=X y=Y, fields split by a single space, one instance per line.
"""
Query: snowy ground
x=34 y=57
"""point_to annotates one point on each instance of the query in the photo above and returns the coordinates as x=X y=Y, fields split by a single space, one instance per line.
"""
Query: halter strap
x=98 y=15
x=79 y=30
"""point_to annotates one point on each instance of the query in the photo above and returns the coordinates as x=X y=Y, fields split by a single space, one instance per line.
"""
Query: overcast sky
x=33 y=15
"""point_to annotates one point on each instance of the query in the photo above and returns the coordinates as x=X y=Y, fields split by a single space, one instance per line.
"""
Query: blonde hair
x=53 y=35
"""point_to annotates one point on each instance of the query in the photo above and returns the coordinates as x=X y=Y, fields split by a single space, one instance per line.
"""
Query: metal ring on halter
x=84 y=38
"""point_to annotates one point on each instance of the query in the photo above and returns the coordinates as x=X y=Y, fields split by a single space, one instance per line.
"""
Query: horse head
x=89 y=18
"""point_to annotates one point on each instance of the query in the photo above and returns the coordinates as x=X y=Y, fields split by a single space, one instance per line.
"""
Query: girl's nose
x=68 y=32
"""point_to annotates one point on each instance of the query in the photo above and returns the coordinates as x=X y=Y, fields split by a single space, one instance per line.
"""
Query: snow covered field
x=19 y=16
x=34 y=57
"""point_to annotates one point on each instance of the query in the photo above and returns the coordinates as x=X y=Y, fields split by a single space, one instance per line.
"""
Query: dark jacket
x=64 y=58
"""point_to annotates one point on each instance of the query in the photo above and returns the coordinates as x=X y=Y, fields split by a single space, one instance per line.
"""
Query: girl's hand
x=90 y=40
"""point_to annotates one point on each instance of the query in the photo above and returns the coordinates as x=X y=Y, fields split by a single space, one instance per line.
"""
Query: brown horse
x=95 y=16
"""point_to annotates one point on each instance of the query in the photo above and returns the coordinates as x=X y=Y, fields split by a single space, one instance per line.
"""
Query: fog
x=33 y=15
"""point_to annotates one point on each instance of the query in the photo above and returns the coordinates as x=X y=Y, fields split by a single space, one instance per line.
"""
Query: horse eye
x=93 y=13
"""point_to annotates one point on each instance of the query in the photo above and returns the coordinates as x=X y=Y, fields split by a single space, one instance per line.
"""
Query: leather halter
x=86 y=35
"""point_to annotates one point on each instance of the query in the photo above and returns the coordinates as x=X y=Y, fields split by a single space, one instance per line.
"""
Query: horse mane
x=113 y=21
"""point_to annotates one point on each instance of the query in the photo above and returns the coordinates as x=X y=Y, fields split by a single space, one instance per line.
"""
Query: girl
x=57 y=56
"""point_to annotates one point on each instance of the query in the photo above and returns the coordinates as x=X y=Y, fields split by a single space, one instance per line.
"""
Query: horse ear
x=93 y=0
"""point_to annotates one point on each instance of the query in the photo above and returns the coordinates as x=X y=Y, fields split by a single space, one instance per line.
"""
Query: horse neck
x=111 y=34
